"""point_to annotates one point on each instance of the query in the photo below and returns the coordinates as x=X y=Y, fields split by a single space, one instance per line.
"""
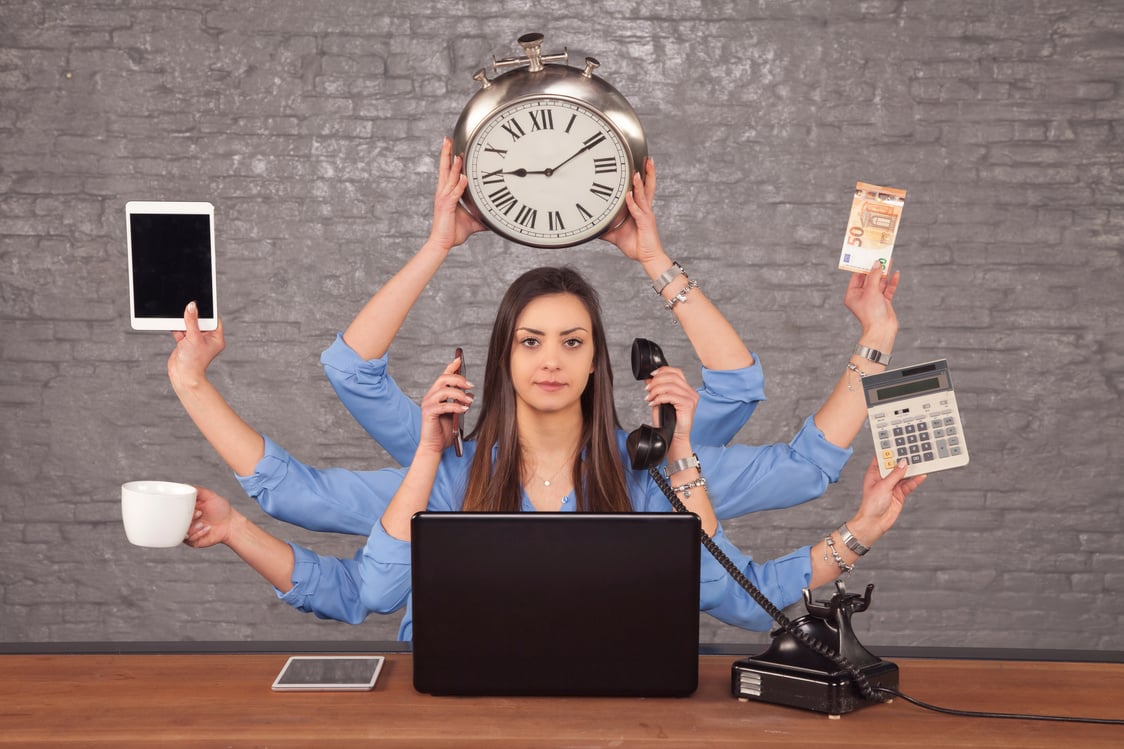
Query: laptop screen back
x=556 y=603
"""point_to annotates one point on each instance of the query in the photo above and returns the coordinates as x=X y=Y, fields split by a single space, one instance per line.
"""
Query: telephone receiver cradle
x=647 y=445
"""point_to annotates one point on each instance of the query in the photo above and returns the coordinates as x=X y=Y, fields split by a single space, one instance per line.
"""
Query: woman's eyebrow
x=532 y=331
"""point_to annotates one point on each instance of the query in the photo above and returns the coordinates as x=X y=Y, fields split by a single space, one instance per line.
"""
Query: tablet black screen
x=171 y=263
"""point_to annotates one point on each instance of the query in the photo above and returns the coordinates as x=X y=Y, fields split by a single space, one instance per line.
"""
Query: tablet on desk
x=171 y=262
x=329 y=673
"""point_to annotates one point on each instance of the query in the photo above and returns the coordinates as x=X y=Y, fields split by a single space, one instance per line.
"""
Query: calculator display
x=897 y=391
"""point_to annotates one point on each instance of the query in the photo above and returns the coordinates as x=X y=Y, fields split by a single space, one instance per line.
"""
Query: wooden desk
x=226 y=700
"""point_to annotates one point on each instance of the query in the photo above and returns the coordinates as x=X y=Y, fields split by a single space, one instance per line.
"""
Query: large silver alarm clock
x=549 y=149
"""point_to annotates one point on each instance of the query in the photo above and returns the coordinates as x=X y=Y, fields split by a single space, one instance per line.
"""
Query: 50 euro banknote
x=872 y=227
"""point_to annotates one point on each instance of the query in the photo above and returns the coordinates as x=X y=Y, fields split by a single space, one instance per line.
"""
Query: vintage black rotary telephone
x=799 y=669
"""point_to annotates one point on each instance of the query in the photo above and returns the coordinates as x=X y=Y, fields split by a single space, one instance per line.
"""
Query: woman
x=547 y=439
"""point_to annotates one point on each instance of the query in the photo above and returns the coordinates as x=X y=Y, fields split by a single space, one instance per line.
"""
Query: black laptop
x=556 y=603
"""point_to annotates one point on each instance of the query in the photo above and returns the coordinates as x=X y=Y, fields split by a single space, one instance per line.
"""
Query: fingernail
x=191 y=307
x=902 y=463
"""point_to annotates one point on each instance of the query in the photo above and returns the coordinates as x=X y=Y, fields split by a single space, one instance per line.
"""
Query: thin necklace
x=547 y=482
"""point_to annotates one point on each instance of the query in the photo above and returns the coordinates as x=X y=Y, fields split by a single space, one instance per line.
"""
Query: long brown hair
x=598 y=476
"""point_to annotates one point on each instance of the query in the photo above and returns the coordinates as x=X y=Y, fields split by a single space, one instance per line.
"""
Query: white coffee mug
x=157 y=513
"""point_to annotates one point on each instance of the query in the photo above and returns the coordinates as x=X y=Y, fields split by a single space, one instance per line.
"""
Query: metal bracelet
x=871 y=354
x=851 y=542
x=699 y=483
x=843 y=566
x=682 y=465
x=669 y=305
x=667 y=277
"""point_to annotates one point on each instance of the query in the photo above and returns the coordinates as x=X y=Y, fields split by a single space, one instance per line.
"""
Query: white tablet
x=329 y=672
x=171 y=262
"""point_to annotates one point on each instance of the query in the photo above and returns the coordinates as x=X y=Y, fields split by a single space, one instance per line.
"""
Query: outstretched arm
x=715 y=341
x=869 y=297
x=234 y=440
x=376 y=325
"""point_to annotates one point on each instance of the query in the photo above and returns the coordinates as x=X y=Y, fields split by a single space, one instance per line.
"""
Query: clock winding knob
x=532 y=46
x=482 y=77
x=591 y=64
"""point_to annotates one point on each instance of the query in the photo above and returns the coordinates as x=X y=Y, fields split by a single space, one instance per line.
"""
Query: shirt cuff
x=344 y=359
x=810 y=443
x=384 y=548
x=306 y=578
x=269 y=472
x=743 y=385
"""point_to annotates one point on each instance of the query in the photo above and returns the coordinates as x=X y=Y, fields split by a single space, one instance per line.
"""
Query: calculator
x=913 y=415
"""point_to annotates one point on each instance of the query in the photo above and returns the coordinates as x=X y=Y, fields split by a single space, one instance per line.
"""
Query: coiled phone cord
x=858 y=677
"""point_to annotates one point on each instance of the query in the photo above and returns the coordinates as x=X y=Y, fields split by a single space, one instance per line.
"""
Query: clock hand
x=519 y=172
x=580 y=151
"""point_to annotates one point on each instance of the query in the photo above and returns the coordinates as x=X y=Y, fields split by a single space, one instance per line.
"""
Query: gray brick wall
x=313 y=128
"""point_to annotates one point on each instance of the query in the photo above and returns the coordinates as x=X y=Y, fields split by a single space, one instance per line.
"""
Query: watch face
x=548 y=172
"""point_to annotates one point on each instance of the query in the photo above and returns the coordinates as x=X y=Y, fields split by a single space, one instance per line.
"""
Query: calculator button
x=942 y=448
x=949 y=421
x=902 y=452
x=950 y=431
x=923 y=435
x=953 y=441
x=927 y=457
x=910 y=429
x=915 y=459
x=926 y=446
x=883 y=434
x=898 y=431
x=911 y=439
x=899 y=441
x=938 y=433
x=914 y=449
x=955 y=450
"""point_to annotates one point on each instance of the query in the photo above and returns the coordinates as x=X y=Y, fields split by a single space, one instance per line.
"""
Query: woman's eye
x=572 y=342
x=530 y=342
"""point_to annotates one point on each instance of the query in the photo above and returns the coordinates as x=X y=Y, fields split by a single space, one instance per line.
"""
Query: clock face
x=548 y=172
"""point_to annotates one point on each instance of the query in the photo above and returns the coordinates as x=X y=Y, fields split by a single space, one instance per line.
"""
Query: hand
x=212 y=520
x=637 y=236
x=669 y=385
x=869 y=298
x=195 y=349
x=882 y=501
x=448 y=395
x=452 y=224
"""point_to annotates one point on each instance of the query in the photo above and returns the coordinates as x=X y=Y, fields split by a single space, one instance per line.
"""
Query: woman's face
x=552 y=353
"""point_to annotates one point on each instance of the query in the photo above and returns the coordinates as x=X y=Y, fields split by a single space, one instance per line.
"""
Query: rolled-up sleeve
x=374 y=399
x=746 y=478
x=332 y=499
x=727 y=398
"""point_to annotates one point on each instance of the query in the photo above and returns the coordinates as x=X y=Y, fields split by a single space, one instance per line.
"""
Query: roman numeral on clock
x=492 y=178
x=526 y=216
x=503 y=200
x=601 y=191
x=498 y=151
x=604 y=165
x=556 y=221
x=542 y=120
x=514 y=129
x=594 y=140
x=586 y=215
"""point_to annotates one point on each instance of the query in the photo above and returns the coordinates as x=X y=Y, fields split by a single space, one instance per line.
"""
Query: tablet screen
x=329 y=672
x=171 y=261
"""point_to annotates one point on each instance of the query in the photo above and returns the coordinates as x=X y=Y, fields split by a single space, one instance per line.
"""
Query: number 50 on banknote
x=872 y=227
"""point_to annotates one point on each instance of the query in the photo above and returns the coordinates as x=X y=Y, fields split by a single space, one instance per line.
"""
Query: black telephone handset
x=787 y=663
x=647 y=445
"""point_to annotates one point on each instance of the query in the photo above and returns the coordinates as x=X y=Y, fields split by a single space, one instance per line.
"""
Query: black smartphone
x=458 y=429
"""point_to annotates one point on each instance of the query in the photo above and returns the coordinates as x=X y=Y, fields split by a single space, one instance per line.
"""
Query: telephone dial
x=814 y=662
